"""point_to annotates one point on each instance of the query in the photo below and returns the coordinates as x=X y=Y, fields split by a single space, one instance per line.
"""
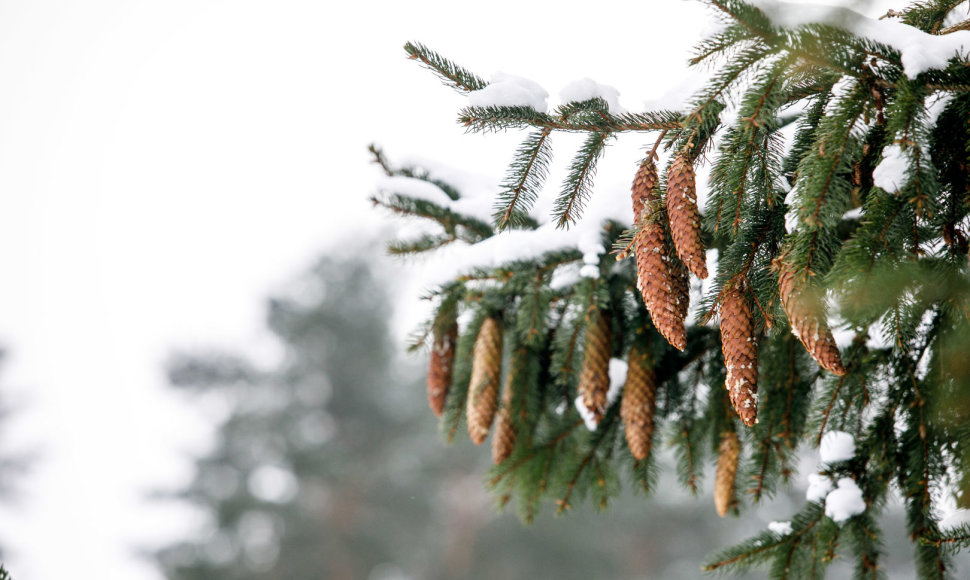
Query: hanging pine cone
x=440 y=367
x=685 y=219
x=486 y=372
x=740 y=353
x=680 y=286
x=639 y=402
x=806 y=324
x=503 y=440
x=594 y=379
x=660 y=285
x=727 y=469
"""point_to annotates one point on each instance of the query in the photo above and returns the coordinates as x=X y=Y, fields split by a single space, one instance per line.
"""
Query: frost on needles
x=836 y=312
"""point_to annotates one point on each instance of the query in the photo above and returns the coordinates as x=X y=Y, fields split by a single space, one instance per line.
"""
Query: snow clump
x=780 y=528
x=845 y=501
x=890 y=174
x=836 y=446
x=507 y=90
x=586 y=89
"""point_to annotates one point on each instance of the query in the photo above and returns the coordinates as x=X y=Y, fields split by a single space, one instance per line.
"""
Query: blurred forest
x=330 y=466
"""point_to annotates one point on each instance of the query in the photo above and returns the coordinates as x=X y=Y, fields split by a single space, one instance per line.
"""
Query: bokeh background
x=204 y=372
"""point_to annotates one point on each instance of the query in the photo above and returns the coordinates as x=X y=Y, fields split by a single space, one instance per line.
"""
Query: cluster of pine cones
x=668 y=247
x=662 y=278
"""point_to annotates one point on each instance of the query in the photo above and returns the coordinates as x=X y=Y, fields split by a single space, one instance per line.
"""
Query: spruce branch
x=524 y=180
x=451 y=74
x=577 y=187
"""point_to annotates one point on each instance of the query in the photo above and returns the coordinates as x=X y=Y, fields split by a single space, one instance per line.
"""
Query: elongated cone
x=740 y=354
x=806 y=324
x=685 y=218
x=680 y=288
x=659 y=283
x=727 y=469
x=486 y=373
x=503 y=440
x=594 y=379
x=441 y=366
x=639 y=402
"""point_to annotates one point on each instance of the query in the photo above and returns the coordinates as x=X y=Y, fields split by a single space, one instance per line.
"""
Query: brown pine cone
x=657 y=279
x=486 y=372
x=740 y=350
x=441 y=366
x=685 y=218
x=639 y=402
x=594 y=378
x=503 y=440
x=680 y=295
x=644 y=187
x=727 y=468
x=806 y=321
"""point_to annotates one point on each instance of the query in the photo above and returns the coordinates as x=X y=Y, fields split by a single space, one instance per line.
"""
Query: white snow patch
x=476 y=206
x=618 y=368
x=780 y=528
x=935 y=107
x=586 y=414
x=507 y=90
x=586 y=89
x=565 y=276
x=836 y=446
x=458 y=257
x=890 y=174
x=852 y=214
x=589 y=271
x=918 y=50
x=844 y=502
x=957 y=518
x=819 y=486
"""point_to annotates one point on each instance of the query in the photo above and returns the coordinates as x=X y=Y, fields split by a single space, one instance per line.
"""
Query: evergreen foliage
x=810 y=220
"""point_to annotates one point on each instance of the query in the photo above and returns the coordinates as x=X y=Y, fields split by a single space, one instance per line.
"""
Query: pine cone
x=806 y=324
x=680 y=284
x=657 y=279
x=441 y=366
x=594 y=378
x=639 y=403
x=685 y=219
x=740 y=354
x=503 y=440
x=727 y=468
x=486 y=372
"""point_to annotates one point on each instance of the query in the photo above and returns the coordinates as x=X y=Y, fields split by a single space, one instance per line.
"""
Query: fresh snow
x=819 y=486
x=919 y=51
x=890 y=174
x=478 y=207
x=618 y=368
x=586 y=89
x=617 y=375
x=507 y=90
x=780 y=528
x=585 y=413
x=845 y=501
x=836 y=446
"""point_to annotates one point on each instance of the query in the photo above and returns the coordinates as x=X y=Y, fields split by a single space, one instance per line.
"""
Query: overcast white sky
x=163 y=165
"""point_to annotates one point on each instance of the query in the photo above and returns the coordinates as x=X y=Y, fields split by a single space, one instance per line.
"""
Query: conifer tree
x=836 y=230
